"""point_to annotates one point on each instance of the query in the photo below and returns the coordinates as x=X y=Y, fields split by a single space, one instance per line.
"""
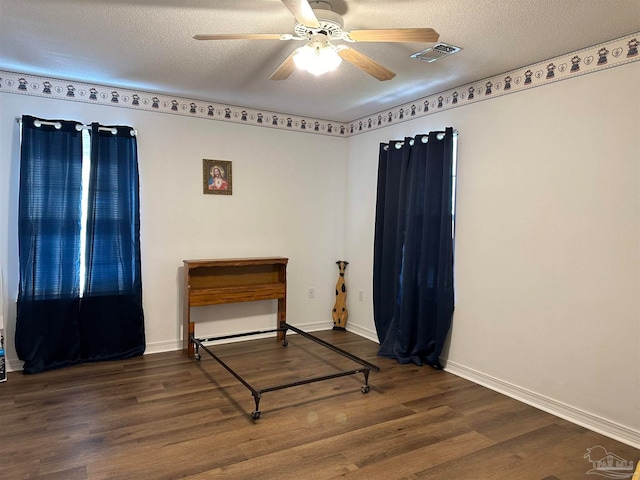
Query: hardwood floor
x=163 y=416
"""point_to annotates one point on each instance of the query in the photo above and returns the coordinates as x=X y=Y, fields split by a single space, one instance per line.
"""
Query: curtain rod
x=425 y=139
x=79 y=127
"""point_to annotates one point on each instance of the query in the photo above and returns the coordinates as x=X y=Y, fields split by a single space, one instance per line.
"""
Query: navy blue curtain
x=111 y=317
x=49 y=216
x=413 y=248
x=54 y=326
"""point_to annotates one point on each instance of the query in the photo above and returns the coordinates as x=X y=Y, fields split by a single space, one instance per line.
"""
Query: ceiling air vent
x=439 y=50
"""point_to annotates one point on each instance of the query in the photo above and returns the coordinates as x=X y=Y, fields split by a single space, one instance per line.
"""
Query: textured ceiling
x=148 y=45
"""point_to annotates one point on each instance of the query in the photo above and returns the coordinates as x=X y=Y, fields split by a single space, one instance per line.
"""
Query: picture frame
x=217 y=177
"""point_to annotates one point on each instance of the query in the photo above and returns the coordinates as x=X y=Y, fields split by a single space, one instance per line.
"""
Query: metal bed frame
x=365 y=368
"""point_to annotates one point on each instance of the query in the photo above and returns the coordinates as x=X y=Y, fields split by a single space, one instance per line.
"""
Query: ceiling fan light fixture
x=318 y=27
x=317 y=60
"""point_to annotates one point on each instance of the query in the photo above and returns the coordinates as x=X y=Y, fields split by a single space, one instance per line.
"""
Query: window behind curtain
x=111 y=317
x=413 y=247
x=49 y=210
x=54 y=328
x=49 y=244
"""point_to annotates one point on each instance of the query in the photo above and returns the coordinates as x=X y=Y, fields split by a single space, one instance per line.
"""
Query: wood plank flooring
x=163 y=416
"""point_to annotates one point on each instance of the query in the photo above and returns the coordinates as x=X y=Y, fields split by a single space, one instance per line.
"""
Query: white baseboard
x=173 y=345
x=585 y=419
x=14 y=364
x=314 y=326
x=363 y=332
x=160 y=347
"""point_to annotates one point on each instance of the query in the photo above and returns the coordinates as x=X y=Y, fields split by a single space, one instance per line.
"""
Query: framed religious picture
x=216 y=177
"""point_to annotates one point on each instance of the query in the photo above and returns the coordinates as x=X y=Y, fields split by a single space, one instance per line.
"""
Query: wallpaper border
x=592 y=59
x=605 y=55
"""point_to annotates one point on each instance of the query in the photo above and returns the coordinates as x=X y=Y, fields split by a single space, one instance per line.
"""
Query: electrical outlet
x=312 y=292
x=360 y=295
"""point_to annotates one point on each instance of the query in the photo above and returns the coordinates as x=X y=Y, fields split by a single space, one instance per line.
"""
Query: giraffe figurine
x=340 y=312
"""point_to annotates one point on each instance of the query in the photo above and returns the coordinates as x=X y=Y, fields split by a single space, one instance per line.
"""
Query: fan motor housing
x=331 y=24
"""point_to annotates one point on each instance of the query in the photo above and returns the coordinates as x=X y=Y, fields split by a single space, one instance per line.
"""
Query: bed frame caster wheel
x=255 y=415
x=196 y=357
x=364 y=389
x=285 y=342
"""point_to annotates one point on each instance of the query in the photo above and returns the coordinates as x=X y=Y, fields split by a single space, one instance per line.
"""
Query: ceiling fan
x=318 y=27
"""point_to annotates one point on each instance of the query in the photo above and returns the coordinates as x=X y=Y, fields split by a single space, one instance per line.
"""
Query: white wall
x=288 y=193
x=547 y=249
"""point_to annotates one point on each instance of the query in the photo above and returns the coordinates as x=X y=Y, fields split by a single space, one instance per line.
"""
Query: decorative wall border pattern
x=588 y=60
x=67 y=90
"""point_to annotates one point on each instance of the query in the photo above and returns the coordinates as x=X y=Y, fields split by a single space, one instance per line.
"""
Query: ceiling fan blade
x=242 y=36
x=365 y=64
x=395 y=35
x=303 y=12
x=285 y=69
